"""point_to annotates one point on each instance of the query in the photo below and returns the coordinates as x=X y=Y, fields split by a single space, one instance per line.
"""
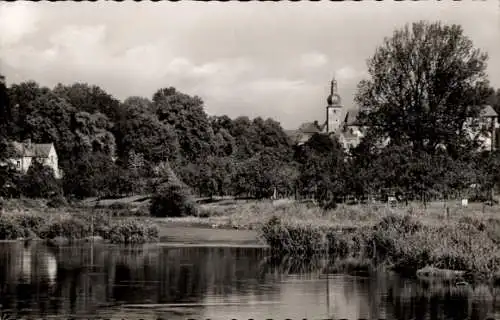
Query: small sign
x=465 y=202
x=392 y=201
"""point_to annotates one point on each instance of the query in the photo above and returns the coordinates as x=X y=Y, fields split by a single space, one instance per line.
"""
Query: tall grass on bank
x=400 y=241
x=76 y=226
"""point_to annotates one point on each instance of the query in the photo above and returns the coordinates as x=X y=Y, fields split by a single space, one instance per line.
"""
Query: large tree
x=322 y=168
x=187 y=116
x=425 y=82
x=140 y=131
x=89 y=98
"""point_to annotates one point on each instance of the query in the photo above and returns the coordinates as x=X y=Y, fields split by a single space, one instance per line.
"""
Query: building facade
x=25 y=153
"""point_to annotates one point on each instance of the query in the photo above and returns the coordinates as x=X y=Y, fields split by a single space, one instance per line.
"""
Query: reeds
x=74 y=226
x=406 y=242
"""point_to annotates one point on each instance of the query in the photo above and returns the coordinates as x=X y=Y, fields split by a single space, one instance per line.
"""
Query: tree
x=92 y=133
x=39 y=182
x=322 y=168
x=5 y=117
x=21 y=97
x=141 y=131
x=187 y=116
x=91 y=99
x=426 y=81
x=48 y=119
x=89 y=175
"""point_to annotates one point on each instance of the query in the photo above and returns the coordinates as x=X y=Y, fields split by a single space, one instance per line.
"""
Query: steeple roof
x=334 y=98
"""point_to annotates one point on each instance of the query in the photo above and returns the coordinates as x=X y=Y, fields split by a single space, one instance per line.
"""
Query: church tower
x=333 y=109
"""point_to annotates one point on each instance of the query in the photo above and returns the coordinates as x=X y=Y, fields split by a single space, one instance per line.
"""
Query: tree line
x=425 y=82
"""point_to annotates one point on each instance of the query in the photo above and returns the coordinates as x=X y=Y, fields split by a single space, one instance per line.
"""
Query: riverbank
x=26 y=219
x=118 y=221
x=432 y=242
x=408 y=239
x=466 y=243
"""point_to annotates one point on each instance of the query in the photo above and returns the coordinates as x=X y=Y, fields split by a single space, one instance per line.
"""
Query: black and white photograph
x=235 y=160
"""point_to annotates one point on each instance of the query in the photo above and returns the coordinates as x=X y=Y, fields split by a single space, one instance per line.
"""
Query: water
x=155 y=282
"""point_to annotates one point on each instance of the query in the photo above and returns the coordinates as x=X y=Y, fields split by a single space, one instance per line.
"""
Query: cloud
x=17 y=20
x=348 y=73
x=275 y=85
x=263 y=59
x=313 y=60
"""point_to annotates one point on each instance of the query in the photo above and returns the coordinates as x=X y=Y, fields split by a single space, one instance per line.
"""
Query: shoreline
x=403 y=239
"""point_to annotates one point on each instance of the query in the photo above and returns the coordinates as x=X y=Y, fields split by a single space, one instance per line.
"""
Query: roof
x=305 y=131
x=37 y=150
x=309 y=127
x=351 y=117
x=290 y=133
x=488 y=111
x=348 y=134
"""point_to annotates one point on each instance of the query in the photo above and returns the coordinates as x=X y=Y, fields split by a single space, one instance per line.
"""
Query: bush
x=132 y=232
x=172 y=200
x=72 y=228
x=30 y=222
x=40 y=182
x=57 y=201
x=10 y=229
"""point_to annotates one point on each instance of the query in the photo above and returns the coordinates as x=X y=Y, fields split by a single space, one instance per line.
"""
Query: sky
x=267 y=59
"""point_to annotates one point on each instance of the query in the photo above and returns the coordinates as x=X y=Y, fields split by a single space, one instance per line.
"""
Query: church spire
x=333 y=86
x=333 y=98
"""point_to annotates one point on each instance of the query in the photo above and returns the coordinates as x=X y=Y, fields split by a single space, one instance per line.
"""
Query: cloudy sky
x=257 y=59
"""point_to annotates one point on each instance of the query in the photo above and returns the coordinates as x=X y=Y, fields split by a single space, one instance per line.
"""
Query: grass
x=404 y=240
x=32 y=219
x=362 y=237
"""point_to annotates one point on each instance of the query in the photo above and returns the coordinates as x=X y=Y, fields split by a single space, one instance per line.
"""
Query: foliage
x=132 y=232
x=57 y=201
x=10 y=229
x=424 y=81
x=30 y=222
x=322 y=168
x=90 y=175
x=39 y=181
x=172 y=200
x=397 y=241
x=76 y=227
x=71 y=228
x=186 y=115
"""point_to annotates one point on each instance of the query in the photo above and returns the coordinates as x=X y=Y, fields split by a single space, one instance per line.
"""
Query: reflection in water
x=151 y=281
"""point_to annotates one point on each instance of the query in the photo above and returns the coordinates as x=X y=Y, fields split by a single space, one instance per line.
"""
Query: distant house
x=488 y=125
x=25 y=153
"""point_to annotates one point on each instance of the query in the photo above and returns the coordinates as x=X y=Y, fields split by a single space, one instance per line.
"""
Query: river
x=160 y=282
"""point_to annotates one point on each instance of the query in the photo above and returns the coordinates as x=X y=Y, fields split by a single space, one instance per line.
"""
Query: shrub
x=40 y=182
x=132 y=232
x=72 y=228
x=172 y=200
x=30 y=222
x=57 y=201
x=10 y=229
